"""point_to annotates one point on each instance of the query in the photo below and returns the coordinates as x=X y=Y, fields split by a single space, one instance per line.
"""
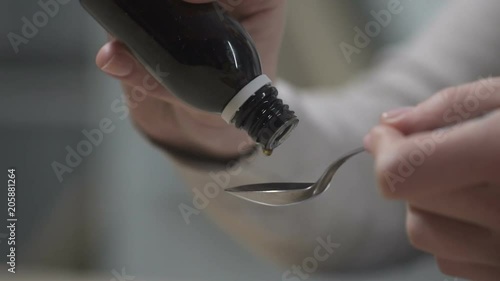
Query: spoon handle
x=326 y=178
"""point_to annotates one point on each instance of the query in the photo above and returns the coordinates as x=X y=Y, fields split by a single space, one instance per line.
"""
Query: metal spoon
x=282 y=194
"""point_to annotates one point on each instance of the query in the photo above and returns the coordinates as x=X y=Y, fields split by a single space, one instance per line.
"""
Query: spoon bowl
x=288 y=193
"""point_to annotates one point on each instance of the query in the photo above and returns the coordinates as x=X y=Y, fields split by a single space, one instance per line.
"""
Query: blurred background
x=118 y=210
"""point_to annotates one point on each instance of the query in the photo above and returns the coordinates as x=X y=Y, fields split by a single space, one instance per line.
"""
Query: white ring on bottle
x=243 y=95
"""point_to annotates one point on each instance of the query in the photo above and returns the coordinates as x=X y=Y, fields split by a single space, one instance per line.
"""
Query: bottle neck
x=266 y=118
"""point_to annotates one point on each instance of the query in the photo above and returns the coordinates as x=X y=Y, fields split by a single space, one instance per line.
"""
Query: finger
x=448 y=107
x=242 y=9
x=477 y=205
x=451 y=239
x=469 y=271
x=264 y=20
x=115 y=60
x=382 y=142
x=430 y=163
x=383 y=138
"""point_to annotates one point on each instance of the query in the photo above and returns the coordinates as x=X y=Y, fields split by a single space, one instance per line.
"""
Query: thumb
x=115 y=60
x=385 y=143
x=381 y=139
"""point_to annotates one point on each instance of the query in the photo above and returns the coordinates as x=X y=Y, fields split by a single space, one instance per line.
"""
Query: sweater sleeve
x=459 y=47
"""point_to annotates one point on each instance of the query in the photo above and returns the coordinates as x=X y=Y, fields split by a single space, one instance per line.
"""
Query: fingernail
x=367 y=141
x=119 y=66
x=396 y=114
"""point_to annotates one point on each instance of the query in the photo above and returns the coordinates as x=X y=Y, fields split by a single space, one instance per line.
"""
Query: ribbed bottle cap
x=266 y=118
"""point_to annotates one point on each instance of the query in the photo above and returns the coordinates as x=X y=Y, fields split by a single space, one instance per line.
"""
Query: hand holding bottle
x=172 y=122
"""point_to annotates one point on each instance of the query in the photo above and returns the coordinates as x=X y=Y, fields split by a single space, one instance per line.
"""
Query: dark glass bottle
x=212 y=62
